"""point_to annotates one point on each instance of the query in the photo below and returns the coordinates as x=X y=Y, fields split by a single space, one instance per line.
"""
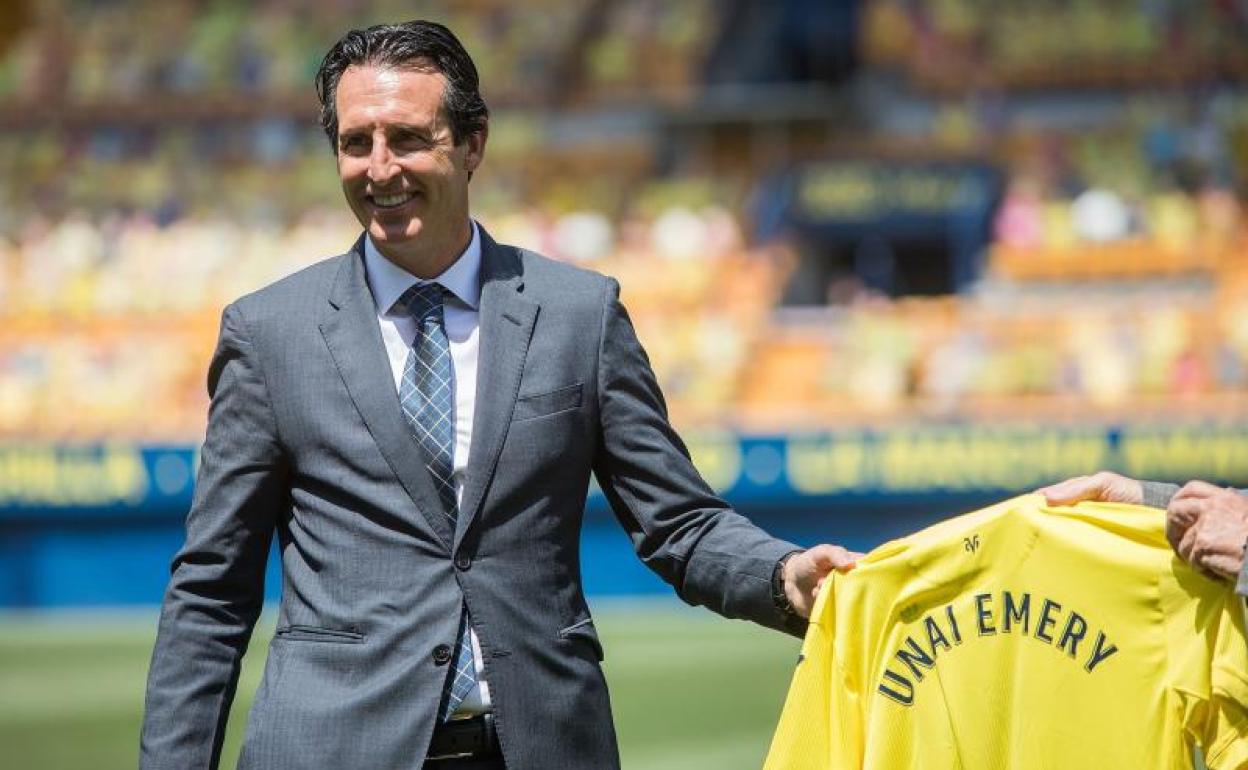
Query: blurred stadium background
x=892 y=260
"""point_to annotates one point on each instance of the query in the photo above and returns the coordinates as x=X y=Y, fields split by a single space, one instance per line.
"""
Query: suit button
x=442 y=654
x=463 y=561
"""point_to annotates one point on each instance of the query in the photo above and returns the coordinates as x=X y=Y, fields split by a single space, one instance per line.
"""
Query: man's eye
x=410 y=141
x=352 y=143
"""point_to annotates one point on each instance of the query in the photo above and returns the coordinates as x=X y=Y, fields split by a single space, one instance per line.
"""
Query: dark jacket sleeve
x=216 y=588
x=1158 y=495
x=691 y=538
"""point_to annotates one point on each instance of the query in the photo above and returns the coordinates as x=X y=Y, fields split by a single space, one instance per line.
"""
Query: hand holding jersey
x=806 y=571
x=1101 y=487
x=1206 y=525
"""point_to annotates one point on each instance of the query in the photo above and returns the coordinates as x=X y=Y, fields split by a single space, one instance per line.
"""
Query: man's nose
x=381 y=165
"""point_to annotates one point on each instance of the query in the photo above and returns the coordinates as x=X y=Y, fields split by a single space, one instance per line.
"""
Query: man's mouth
x=392 y=200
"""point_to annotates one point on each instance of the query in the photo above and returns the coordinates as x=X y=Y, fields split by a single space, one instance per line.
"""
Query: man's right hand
x=1103 y=487
x=1208 y=527
x=804 y=574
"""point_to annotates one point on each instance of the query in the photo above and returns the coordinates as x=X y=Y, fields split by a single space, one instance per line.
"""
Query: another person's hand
x=805 y=572
x=1208 y=525
x=1102 y=487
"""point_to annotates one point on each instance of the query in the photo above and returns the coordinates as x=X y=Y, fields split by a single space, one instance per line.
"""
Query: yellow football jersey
x=1021 y=637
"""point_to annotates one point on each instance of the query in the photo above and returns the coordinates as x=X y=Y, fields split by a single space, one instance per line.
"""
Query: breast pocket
x=545 y=404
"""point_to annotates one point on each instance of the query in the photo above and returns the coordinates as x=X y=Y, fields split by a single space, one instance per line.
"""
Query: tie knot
x=424 y=301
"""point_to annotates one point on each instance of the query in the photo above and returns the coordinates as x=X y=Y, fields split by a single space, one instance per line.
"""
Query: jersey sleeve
x=1208 y=665
x=1225 y=727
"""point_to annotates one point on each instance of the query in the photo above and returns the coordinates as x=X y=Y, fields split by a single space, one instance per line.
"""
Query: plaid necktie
x=427 y=394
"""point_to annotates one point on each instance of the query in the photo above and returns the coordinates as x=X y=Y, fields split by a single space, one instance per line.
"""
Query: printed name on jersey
x=988 y=615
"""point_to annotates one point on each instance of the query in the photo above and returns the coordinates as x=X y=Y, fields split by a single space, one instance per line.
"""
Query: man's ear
x=475 y=148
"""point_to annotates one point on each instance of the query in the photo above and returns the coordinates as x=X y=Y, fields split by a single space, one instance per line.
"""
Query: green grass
x=691 y=691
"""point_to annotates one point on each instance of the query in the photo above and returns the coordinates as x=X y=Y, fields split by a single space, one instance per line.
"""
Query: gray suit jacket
x=306 y=441
x=1158 y=494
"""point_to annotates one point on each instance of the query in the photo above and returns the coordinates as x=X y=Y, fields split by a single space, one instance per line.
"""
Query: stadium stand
x=1111 y=276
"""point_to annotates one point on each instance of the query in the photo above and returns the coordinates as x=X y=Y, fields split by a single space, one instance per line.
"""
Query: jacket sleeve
x=679 y=528
x=1158 y=493
x=216 y=588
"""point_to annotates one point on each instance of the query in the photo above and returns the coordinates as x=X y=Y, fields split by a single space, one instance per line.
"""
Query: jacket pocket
x=315 y=634
x=544 y=404
x=583 y=632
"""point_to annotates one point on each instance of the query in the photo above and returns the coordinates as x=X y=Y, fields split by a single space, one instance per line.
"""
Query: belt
x=472 y=738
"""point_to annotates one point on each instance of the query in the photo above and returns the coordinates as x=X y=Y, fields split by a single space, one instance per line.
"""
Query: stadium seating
x=1113 y=277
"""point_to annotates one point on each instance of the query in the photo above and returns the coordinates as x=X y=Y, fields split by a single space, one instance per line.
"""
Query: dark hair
x=411 y=45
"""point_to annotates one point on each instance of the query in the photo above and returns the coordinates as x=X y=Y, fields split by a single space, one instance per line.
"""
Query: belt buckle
x=486 y=729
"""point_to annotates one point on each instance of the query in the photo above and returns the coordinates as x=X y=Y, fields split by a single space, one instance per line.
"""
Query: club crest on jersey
x=989 y=614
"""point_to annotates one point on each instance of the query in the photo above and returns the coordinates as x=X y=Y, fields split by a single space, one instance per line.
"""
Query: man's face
x=403 y=175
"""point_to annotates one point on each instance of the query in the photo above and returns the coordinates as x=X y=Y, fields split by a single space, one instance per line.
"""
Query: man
x=1206 y=525
x=417 y=420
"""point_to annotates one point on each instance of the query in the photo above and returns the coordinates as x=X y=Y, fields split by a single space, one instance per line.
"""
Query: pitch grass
x=691 y=691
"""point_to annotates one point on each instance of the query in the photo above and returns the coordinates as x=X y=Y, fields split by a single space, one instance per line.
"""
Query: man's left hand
x=1208 y=525
x=805 y=572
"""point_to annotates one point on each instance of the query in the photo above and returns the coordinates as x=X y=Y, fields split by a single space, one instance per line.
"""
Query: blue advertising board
x=99 y=524
x=111 y=480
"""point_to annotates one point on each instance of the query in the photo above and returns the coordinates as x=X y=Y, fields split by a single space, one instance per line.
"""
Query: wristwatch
x=778 y=595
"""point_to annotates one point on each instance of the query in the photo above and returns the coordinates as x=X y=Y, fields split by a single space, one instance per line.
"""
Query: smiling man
x=417 y=420
x=405 y=164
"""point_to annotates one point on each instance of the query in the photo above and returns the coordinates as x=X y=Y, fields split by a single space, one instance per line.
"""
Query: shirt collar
x=387 y=281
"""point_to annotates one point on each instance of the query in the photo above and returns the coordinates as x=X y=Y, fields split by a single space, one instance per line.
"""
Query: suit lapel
x=349 y=326
x=506 y=326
